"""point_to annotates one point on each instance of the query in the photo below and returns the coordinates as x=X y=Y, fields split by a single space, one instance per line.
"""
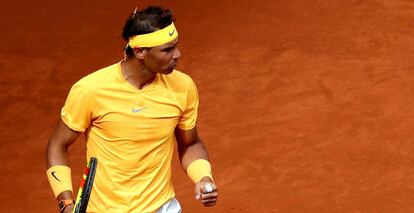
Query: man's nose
x=177 y=53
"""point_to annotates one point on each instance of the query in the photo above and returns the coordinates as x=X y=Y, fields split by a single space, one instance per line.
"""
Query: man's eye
x=169 y=49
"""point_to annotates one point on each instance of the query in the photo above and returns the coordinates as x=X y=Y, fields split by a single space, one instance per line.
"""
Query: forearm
x=194 y=160
x=193 y=155
x=58 y=172
x=192 y=152
x=56 y=154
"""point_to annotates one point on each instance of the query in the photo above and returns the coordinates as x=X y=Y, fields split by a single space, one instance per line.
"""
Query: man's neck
x=136 y=74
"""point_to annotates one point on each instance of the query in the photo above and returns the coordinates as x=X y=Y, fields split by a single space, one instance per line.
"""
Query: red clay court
x=306 y=106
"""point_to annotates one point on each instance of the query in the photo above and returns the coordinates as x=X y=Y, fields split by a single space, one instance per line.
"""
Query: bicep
x=186 y=137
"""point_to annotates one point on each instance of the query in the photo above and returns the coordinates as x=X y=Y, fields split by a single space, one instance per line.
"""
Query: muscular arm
x=191 y=148
x=56 y=153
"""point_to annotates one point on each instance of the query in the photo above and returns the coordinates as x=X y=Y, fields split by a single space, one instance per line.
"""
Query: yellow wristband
x=59 y=179
x=198 y=169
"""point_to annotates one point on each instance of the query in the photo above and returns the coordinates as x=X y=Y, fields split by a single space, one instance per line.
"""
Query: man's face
x=162 y=59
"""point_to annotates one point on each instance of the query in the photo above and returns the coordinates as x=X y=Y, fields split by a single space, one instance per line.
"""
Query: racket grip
x=208 y=189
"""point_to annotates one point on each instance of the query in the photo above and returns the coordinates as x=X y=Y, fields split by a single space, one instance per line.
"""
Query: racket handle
x=208 y=189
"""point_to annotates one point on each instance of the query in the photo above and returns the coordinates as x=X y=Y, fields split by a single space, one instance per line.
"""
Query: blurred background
x=306 y=106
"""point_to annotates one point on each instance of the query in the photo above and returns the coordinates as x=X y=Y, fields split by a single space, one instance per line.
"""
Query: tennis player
x=132 y=113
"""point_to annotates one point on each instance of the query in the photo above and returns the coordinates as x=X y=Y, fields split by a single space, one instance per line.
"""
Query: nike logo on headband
x=171 y=33
x=53 y=174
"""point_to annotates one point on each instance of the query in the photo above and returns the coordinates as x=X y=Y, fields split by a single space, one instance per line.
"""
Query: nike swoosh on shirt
x=138 y=110
x=53 y=174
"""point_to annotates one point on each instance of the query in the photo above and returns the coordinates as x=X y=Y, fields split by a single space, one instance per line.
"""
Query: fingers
x=209 y=199
x=204 y=188
x=69 y=209
x=207 y=193
x=197 y=192
x=200 y=189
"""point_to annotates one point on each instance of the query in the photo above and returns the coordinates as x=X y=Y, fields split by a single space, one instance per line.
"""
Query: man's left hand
x=206 y=192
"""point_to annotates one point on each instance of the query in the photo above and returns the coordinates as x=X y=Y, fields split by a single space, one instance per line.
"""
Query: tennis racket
x=85 y=188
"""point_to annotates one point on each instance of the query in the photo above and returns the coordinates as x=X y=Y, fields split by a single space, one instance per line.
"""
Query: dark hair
x=145 y=21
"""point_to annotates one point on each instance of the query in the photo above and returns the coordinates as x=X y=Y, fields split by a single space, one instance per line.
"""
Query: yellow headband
x=154 y=39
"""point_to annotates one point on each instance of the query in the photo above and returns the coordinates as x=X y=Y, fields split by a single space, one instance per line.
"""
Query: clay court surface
x=306 y=106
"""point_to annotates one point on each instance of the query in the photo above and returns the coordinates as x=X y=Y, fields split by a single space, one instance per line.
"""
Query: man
x=131 y=113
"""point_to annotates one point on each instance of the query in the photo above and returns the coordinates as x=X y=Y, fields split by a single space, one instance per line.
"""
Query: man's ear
x=140 y=52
